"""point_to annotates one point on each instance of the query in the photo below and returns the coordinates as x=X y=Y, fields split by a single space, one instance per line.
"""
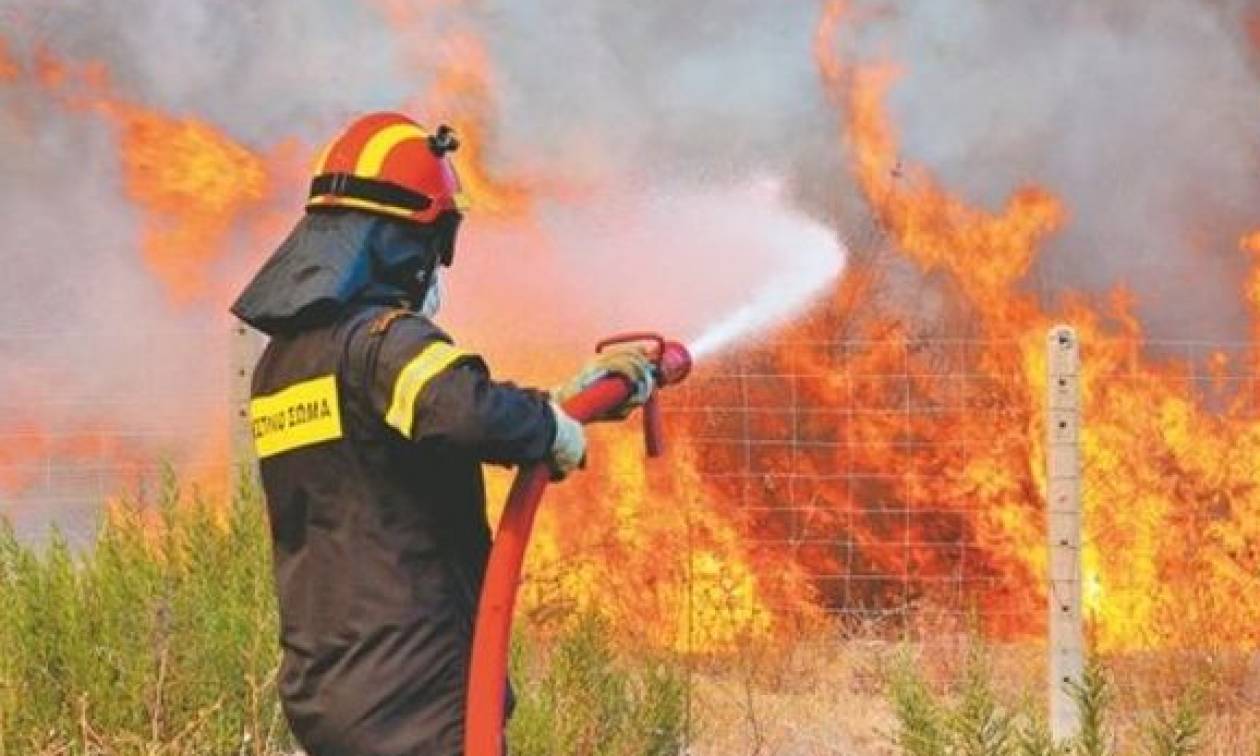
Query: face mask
x=433 y=297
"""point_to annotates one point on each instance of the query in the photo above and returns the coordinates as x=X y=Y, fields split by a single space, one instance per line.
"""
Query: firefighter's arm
x=464 y=408
x=433 y=392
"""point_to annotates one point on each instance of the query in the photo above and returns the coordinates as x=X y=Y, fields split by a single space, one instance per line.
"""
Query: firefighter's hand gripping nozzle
x=487 y=679
x=672 y=362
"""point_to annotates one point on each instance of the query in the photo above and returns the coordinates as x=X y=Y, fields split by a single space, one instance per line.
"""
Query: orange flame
x=194 y=185
x=1171 y=505
x=194 y=182
x=8 y=66
x=460 y=94
x=888 y=475
x=1250 y=244
x=463 y=89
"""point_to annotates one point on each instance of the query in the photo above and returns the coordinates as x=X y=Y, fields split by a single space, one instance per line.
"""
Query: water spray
x=815 y=260
x=487 y=679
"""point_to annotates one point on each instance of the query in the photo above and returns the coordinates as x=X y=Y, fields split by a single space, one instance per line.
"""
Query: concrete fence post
x=1063 y=513
x=245 y=348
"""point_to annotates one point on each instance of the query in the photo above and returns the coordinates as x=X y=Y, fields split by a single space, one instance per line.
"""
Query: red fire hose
x=487 y=679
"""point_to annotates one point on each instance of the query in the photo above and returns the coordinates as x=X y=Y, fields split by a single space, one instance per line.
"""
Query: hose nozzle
x=673 y=365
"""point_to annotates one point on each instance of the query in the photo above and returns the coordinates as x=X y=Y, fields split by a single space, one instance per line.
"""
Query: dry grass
x=812 y=698
x=829 y=694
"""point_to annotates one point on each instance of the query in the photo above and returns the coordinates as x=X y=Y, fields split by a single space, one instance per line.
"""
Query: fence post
x=1063 y=513
x=246 y=347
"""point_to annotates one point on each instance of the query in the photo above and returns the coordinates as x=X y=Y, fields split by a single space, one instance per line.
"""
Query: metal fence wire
x=909 y=478
x=905 y=479
x=905 y=476
x=860 y=460
x=83 y=424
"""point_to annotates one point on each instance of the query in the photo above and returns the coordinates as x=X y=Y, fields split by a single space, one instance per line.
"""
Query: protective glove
x=630 y=362
x=568 y=451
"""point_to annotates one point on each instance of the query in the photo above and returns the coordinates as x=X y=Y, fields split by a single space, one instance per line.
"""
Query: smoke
x=654 y=121
x=712 y=90
x=1140 y=116
x=653 y=118
x=264 y=71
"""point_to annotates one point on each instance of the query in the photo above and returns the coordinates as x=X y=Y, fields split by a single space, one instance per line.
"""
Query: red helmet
x=388 y=164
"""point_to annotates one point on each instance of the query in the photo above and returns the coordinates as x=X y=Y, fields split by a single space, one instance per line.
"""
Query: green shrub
x=1177 y=732
x=921 y=715
x=161 y=638
x=576 y=696
x=970 y=722
x=969 y=719
x=1093 y=698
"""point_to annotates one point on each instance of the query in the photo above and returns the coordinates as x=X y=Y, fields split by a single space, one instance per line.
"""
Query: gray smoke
x=715 y=89
x=1140 y=115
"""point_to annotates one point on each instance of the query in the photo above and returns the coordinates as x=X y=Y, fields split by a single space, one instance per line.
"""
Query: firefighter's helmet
x=388 y=164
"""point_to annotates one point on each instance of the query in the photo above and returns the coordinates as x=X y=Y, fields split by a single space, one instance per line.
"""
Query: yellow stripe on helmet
x=432 y=360
x=373 y=155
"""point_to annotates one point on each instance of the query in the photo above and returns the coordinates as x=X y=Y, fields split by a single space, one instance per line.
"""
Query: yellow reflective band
x=303 y=414
x=332 y=199
x=432 y=360
x=381 y=144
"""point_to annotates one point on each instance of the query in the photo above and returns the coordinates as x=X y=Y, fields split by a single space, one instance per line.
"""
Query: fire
x=459 y=94
x=1171 y=505
x=194 y=182
x=194 y=186
x=1250 y=244
x=8 y=66
x=18 y=460
x=462 y=90
x=663 y=557
x=986 y=254
x=891 y=473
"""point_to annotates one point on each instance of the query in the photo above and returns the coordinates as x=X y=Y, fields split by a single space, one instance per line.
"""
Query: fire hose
x=487 y=679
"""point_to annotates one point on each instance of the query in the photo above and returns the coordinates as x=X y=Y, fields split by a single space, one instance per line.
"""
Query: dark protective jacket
x=371 y=432
x=371 y=428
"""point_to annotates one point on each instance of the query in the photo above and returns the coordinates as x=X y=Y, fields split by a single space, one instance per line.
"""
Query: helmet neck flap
x=336 y=260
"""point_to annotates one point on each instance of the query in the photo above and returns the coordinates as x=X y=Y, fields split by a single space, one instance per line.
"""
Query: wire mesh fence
x=908 y=478
x=859 y=461
x=81 y=425
x=894 y=487
x=904 y=476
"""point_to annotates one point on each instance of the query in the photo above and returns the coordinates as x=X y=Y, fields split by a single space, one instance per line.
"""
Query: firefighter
x=371 y=427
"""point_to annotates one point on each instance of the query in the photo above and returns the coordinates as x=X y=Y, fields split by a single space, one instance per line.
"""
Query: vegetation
x=969 y=718
x=161 y=639
x=579 y=698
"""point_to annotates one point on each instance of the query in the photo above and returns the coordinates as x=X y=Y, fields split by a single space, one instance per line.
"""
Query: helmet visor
x=445 y=227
